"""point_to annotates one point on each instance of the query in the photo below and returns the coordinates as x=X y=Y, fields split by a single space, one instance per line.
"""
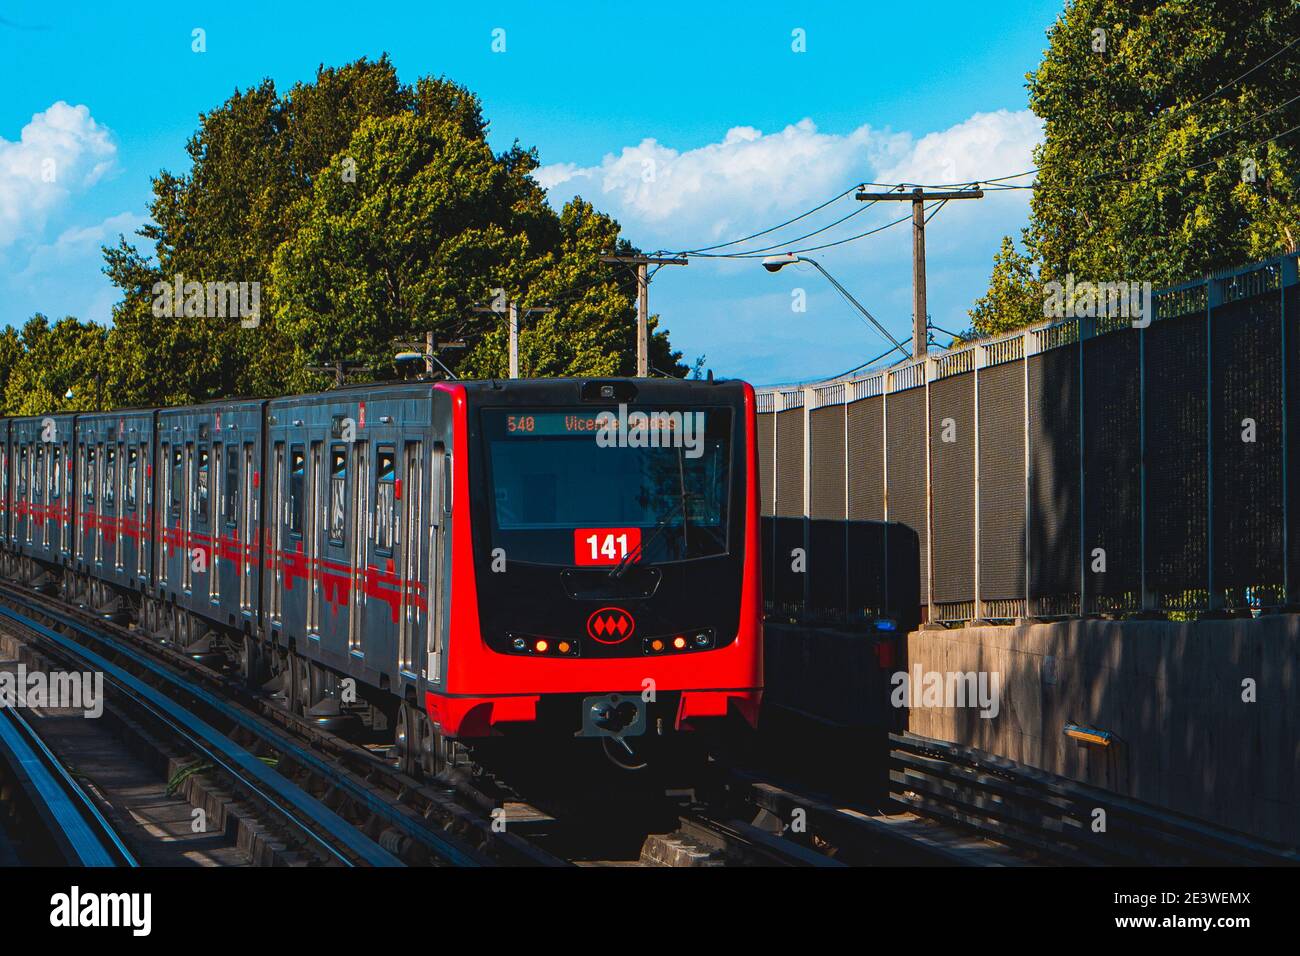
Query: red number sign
x=604 y=545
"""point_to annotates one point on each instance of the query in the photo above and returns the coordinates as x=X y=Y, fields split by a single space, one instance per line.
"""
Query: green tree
x=1169 y=147
x=54 y=361
x=1014 y=299
x=365 y=209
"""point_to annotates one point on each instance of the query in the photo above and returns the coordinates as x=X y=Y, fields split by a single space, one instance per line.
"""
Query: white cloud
x=79 y=244
x=751 y=179
x=61 y=152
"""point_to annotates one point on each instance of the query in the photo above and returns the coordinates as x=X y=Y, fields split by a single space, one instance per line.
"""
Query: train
x=452 y=563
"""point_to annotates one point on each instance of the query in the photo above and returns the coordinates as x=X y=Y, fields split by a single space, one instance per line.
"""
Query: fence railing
x=1091 y=465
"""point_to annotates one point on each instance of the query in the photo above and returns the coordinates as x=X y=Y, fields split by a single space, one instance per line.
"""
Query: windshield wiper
x=660 y=524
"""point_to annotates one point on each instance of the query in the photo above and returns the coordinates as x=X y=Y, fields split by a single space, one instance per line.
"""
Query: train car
x=6 y=559
x=206 y=532
x=348 y=542
x=459 y=563
x=474 y=551
x=111 y=548
x=41 y=499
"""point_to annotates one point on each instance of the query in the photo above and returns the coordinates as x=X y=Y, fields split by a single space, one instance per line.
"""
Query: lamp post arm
x=858 y=305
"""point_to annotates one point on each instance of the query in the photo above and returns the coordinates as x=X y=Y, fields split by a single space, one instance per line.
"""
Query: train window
x=338 y=493
x=201 y=484
x=132 y=478
x=56 y=473
x=297 y=487
x=176 y=483
x=548 y=477
x=386 y=535
x=446 y=483
x=232 y=486
x=110 y=477
x=22 y=472
x=88 y=478
x=38 y=475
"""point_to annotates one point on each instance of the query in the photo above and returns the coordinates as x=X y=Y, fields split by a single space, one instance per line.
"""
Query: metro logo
x=610 y=625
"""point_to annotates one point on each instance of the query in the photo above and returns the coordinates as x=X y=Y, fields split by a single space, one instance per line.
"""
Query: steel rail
x=79 y=830
x=310 y=815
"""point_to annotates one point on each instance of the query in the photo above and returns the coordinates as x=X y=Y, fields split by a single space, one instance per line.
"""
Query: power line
x=828 y=245
x=763 y=232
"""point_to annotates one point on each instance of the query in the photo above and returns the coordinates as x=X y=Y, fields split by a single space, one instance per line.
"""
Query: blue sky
x=691 y=125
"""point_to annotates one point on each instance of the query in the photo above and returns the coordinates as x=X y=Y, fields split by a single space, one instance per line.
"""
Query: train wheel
x=404 y=739
x=431 y=747
x=292 y=683
x=250 y=662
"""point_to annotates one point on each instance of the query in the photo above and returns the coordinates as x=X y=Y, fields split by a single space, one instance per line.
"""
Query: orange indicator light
x=656 y=645
x=563 y=647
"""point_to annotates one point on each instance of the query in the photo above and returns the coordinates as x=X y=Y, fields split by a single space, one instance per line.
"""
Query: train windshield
x=589 y=486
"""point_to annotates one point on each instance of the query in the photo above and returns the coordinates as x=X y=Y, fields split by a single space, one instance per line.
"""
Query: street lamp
x=777 y=263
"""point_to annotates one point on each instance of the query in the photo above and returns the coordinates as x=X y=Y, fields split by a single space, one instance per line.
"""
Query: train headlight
x=679 y=643
x=541 y=647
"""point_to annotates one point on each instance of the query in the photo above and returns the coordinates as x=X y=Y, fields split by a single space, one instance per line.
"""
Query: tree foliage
x=367 y=210
x=1169 y=150
x=55 y=368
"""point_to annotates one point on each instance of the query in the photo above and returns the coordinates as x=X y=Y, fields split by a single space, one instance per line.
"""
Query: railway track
x=48 y=818
x=1056 y=820
x=346 y=805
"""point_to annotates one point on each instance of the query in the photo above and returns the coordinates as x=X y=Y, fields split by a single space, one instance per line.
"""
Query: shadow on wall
x=1204 y=712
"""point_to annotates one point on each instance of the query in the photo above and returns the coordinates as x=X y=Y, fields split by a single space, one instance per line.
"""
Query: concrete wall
x=1171 y=692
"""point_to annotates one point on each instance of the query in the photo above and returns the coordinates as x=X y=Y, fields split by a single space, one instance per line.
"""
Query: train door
x=246 y=534
x=387 y=538
x=160 y=514
x=56 y=497
x=209 y=486
x=25 y=507
x=439 y=509
x=336 y=521
x=145 y=490
x=277 y=520
x=360 y=538
x=408 y=493
x=187 y=519
x=226 y=521
x=86 y=519
x=38 y=495
x=131 y=503
x=312 y=531
x=110 y=527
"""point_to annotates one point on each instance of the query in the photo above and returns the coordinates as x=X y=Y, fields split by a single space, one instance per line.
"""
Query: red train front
x=604 y=565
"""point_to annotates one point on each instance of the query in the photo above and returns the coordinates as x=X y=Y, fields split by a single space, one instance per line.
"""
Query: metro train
x=559 y=560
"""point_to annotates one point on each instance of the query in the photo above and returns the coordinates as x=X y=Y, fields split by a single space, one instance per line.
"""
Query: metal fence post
x=978 y=363
x=1286 y=444
x=1029 y=507
x=1146 y=600
x=927 y=372
x=1083 y=478
x=1215 y=601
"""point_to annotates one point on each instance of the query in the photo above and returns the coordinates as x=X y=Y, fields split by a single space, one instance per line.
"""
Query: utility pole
x=643 y=301
x=918 y=197
x=512 y=312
